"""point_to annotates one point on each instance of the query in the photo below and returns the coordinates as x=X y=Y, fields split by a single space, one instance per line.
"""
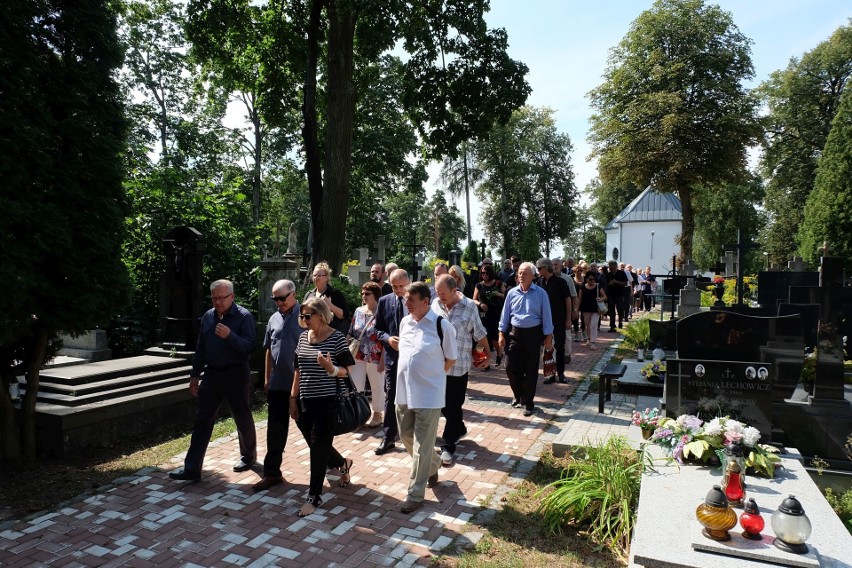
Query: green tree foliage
x=828 y=212
x=529 y=249
x=802 y=100
x=62 y=193
x=526 y=174
x=459 y=176
x=673 y=109
x=183 y=162
x=609 y=198
x=440 y=227
x=457 y=79
x=725 y=208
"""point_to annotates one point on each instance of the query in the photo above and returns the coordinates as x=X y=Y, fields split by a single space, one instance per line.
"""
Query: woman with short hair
x=322 y=359
x=333 y=298
x=369 y=359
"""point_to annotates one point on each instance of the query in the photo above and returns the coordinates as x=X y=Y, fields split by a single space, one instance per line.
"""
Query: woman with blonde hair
x=458 y=274
x=333 y=298
x=369 y=359
x=322 y=359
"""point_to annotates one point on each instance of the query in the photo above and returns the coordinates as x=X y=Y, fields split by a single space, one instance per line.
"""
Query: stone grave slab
x=774 y=287
x=730 y=336
x=707 y=388
x=759 y=550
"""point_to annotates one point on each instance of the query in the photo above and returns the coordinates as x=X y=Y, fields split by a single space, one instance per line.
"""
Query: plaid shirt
x=465 y=318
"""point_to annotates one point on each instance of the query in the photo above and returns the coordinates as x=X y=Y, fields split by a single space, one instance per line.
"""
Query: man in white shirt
x=424 y=359
x=460 y=311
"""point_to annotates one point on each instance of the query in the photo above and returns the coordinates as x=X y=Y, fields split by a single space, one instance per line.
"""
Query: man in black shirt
x=561 y=309
x=616 y=288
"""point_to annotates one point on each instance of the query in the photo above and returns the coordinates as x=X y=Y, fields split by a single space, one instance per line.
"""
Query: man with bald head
x=462 y=312
x=389 y=313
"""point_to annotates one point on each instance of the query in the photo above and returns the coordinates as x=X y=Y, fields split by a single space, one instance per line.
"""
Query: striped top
x=314 y=381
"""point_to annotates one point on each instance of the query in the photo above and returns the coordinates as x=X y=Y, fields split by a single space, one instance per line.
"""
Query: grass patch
x=518 y=536
x=46 y=483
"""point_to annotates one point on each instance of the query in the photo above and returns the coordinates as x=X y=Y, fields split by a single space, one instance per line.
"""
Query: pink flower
x=733 y=437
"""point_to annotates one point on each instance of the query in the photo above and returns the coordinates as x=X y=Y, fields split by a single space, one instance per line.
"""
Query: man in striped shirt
x=460 y=311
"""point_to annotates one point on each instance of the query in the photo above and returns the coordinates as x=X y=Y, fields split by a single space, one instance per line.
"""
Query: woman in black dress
x=488 y=296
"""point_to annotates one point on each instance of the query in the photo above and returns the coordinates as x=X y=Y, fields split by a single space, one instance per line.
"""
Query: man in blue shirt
x=220 y=370
x=524 y=324
x=282 y=335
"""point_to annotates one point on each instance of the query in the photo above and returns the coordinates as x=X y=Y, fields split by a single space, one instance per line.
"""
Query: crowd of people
x=415 y=345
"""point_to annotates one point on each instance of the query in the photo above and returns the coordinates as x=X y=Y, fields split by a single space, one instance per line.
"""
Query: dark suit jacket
x=387 y=326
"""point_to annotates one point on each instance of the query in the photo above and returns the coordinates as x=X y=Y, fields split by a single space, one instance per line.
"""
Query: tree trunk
x=10 y=438
x=338 y=140
x=29 y=403
x=313 y=166
x=466 y=190
x=687 y=223
x=258 y=156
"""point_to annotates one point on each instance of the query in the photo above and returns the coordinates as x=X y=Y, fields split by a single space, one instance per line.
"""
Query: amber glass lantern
x=733 y=482
x=716 y=516
x=751 y=521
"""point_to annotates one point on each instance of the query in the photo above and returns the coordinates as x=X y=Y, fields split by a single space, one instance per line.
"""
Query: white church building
x=645 y=232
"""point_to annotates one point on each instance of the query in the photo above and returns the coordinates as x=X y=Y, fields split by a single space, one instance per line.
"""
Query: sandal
x=310 y=501
x=345 y=480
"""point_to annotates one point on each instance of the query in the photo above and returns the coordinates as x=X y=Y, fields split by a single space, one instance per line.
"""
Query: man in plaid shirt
x=459 y=310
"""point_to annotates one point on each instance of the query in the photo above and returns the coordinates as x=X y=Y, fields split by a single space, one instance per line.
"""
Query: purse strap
x=366 y=325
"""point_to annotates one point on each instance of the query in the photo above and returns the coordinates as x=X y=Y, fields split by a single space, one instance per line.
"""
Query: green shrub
x=599 y=492
x=637 y=334
x=842 y=505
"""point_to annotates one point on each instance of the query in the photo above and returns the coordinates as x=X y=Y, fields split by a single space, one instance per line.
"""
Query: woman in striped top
x=322 y=358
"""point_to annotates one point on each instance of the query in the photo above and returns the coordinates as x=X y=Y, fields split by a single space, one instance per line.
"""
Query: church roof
x=650 y=205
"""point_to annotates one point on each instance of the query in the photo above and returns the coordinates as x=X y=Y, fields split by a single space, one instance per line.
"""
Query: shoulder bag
x=355 y=344
x=602 y=307
x=351 y=408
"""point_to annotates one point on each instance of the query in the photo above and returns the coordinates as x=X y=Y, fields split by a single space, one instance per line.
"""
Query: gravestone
x=774 y=287
x=182 y=294
x=663 y=334
x=381 y=249
x=91 y=345
x=690 y=295
x=271 y=271
x=359 y=273
x=721 y=369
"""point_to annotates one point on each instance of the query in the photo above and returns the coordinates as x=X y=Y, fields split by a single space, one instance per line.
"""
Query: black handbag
x=351 y=408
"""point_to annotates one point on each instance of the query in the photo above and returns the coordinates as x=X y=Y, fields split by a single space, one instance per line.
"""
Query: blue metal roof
x=650 y=205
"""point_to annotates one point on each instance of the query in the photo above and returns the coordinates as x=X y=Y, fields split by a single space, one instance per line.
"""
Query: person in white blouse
x=424 y=359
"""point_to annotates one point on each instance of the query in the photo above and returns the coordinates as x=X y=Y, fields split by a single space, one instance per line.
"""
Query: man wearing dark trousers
x=561 y=310
x=282 y=336
x=616 y=287
x=460 y=311
x=389 y=312
x=220 y=371
x=524 y=324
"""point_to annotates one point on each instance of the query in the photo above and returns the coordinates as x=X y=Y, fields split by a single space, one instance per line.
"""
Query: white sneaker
x=446 y=458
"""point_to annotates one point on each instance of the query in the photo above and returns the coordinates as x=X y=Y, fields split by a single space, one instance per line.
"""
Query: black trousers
x=232 y=386
x=389 y=424
x=454 y=428
x=314 y=424
x=559 y=346
x=277 y=430
x=615 y=304
x=524 y=351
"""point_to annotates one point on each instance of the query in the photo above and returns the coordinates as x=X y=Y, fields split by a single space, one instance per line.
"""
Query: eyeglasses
x=281 y=298
x=220 y=298
x=305 y=316
x=320 y=275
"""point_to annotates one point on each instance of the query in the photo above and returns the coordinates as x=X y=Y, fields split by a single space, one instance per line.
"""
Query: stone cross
x=728 y=259
x=379 y=243
x=797 y=264
x=689 y=270
x=363 y=255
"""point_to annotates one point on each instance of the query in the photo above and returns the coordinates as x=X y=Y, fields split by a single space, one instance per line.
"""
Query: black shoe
x=528 y=411
x=613 y=330
x=385 y=446
x=567 y=359
x=516 y=403
x=243 y=465
x=184 y=475
x=549 y=380
x=563 y=380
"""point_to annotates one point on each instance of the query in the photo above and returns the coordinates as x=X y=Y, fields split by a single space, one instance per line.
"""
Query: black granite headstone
x=181 y=289
x=774 y=287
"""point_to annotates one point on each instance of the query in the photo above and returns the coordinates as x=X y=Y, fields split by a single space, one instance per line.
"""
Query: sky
x=565 y=44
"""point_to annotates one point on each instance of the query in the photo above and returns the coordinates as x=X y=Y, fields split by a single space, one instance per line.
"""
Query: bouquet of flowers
x=657 y=368
x=688 y=436
x=646 y=420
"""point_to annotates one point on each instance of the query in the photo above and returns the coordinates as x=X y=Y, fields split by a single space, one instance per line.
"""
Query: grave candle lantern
x=792 y=526
x=716 y=516
x=751 y=521
x=733 y=483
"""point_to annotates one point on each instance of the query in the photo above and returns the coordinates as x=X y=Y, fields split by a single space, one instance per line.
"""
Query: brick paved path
x=149 y=520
